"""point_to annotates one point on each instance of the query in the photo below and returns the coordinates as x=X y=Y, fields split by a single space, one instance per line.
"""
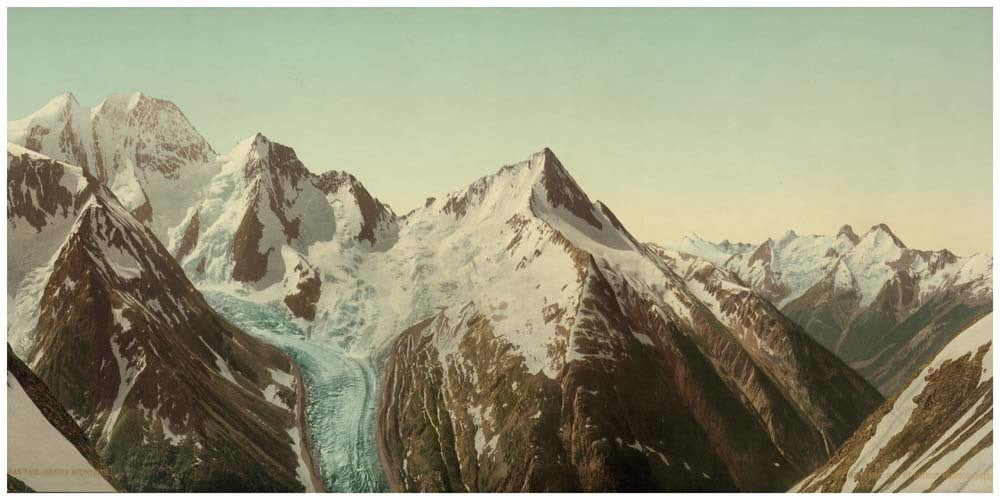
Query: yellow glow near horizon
x=732 y=123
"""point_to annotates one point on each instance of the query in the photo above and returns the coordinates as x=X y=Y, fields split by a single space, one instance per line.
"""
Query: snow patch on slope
x=128 y=371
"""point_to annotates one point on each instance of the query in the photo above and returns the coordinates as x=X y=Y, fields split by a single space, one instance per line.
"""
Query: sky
x=730 y=123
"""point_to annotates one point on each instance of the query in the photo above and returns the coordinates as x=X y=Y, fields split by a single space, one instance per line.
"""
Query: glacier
x=341 y=393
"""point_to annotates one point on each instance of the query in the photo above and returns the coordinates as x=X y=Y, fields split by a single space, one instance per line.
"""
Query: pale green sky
x=732 y=123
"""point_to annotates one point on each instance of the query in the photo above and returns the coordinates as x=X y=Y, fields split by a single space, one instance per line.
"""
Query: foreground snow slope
x=936 y=435
x=45 y=449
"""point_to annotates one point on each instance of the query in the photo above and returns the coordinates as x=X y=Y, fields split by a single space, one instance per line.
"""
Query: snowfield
x=39 y=455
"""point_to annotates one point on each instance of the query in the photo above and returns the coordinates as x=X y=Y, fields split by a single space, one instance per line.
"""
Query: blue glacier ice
x=341 y=394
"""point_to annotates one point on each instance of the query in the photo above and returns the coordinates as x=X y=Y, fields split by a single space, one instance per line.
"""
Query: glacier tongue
x=341 y=393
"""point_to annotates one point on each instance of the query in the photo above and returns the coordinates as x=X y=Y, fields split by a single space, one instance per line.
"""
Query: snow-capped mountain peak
x=788 y=237
x=522 y=270
x=265 y=208
x=846 y=231
x=143 y=148
x=130 y=101
x=716 y=253
x=561 y=190
x=852 y=292
x=258 y=156
x=59 y=107
x=881 y=234
x=538 y=184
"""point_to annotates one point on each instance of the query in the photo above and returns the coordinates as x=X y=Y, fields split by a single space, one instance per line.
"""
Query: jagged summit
x=61 y=102
x=537 y=185
x=868 y=297
x=129 y=102
x=788 y=237
x=144 y=149
x=266 y=208
x=882 y=229
x=375 y=215
x=848 y=232
x=561 y=190
x=258 y=156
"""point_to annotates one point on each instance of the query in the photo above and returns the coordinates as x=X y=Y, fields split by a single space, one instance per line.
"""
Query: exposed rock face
x=376 y=219
x=44 y=198
x=586 y=361
x=303 y=290
x=882 y=307
x=562 y=191
x=249 y=264
x=847 y=231
x=143 y=148
x=935 y=435
x=190 y=238
x=47 y=188
x=58 y=442
x=173 y=397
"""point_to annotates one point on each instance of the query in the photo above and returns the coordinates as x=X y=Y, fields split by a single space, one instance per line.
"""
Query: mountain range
x=884 y=308
x=512 y=335
x=170 y=394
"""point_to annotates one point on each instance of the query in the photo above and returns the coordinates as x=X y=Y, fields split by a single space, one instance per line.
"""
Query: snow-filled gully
x=341 y=391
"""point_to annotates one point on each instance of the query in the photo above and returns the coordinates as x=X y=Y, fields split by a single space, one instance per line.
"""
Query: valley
x=341 y=393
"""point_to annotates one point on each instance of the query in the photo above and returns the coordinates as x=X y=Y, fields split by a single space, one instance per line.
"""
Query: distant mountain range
x=882 y=307
x=523 y=339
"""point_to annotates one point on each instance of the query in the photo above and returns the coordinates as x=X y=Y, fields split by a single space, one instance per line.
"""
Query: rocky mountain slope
x=936 y=435
x=172 y=396
x=46 y=450
x=882 y=307
x=557 y=353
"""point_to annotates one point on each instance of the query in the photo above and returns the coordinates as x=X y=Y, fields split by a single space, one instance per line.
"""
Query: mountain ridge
x=528 y=342
x=600 y=261
x=872 y=300
x=124 y=341
x=891 y=452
